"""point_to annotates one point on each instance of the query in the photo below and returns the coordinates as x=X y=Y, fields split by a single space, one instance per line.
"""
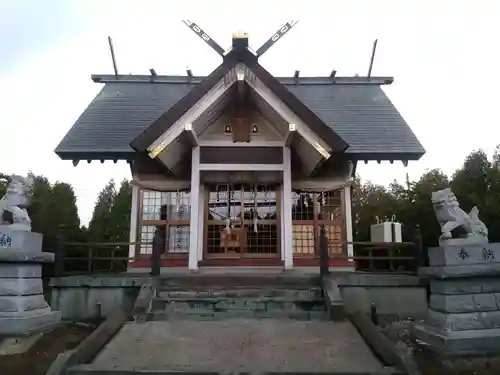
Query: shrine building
x=240 y=168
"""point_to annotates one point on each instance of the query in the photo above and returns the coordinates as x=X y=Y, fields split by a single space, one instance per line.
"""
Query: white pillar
x=133 y=221
x=282 y=225
x=286 y=210
x=348 y=219
x=201 y=221
x=195 y=209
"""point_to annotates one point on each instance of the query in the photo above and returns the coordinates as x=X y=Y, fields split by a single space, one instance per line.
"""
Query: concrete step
x=284 y=293
x=203 y=314
x=236 y=281
x=243 y=304
x=95 y=370
x=240 y=300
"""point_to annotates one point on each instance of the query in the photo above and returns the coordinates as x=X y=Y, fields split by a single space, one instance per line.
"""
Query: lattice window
x=302 y=206
x=303 y=239
x=147 y=234
x=165 y=210
x=309 y=212
x=334 y=234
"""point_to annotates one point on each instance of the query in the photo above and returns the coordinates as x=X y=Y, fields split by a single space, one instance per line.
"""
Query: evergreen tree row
x=477 y=182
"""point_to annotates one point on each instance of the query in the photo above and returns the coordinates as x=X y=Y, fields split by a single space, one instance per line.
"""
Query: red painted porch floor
x=240 y=345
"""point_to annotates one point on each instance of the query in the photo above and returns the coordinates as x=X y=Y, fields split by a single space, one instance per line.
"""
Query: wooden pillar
x=133 y=222
x=286 y=204
x=195 y=209
x=348 y=219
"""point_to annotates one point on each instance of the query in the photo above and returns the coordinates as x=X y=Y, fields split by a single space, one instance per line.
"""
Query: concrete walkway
x=239 y=345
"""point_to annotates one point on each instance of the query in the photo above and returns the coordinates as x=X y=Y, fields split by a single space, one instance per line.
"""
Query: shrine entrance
x=242 y=221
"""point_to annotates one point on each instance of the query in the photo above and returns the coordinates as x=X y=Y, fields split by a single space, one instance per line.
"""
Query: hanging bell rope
x=255 y=213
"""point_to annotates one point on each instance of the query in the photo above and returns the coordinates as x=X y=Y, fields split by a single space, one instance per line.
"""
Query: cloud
x=28 y=27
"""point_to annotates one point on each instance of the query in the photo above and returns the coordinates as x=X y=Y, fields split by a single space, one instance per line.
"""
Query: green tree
x=477 y=183
x=369 y=203
x=102 y=219
x=41 y=220
x=471 y=183
x=4 y=181
x=418 y=208
x=120 y=213
x=64 y=211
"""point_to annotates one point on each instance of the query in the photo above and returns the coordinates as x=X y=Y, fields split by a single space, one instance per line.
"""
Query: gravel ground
x=239 y=345
x=432 y=364
x=37 y=360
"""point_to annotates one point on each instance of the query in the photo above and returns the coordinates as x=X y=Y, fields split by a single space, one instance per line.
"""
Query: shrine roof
x=356 y=108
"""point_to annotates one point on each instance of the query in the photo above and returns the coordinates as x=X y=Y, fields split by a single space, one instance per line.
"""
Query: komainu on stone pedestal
x=455 y=223
x=464 y=270
x=23 y=309
x=13 y=205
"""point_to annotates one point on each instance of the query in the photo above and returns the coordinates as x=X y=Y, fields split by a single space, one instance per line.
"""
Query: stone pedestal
x=23 y=309
x=464 y=309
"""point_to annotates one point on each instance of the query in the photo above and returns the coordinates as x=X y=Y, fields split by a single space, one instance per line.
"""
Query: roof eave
x=173 y=79
x=380 y=156
x=96 y=155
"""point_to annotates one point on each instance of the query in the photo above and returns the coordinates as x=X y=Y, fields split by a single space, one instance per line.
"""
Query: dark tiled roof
x=118 y=114
x=360 y=113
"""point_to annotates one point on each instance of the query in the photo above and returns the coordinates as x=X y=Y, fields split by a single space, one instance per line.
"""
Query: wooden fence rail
x=105 y=257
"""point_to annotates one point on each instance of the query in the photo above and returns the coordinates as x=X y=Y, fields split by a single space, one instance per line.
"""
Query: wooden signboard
x=242 y=129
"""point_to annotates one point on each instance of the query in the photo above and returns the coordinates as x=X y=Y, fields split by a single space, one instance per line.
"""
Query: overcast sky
x=444 y=56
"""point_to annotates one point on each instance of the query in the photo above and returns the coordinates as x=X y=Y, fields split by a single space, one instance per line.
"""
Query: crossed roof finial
x=240 y=35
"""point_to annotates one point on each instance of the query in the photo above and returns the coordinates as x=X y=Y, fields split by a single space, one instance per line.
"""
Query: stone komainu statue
x=455 y=223
x=13 y=205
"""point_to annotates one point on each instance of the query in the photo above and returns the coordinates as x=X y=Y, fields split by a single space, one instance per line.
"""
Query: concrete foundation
x=394 y=296
x=23 y=309
x=464 y=306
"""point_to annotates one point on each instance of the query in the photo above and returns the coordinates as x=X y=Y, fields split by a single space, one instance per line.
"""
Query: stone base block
x=465 y=303
x=463 y=321
x=472 y=239
x=466 y=286
x=463 y=271
x=9 y=270
x=29 y=242
x=10 y=304
x=470 y=342
x=464 y=254
x=27 y=323
x=20 y=286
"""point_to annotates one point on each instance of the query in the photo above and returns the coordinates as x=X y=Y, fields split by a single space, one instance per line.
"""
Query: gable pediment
x=261 y=129
x=240 y=102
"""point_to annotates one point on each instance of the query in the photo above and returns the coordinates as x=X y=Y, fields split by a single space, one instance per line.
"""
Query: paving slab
x=239 y=345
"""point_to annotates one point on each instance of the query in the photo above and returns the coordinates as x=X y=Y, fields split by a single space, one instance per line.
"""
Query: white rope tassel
x=228 y=219
x=255 y=214
x=178 y=201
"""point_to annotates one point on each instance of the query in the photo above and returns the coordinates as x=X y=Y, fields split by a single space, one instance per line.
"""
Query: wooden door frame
x=244 y=254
